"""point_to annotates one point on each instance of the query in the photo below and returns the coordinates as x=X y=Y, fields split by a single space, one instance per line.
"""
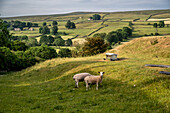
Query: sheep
x=93 y=79
x=80 y=77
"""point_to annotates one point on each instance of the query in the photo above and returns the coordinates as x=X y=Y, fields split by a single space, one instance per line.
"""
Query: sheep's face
x=101 y=73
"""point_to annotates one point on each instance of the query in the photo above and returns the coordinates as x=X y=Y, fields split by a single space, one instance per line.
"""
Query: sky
x=10 y=8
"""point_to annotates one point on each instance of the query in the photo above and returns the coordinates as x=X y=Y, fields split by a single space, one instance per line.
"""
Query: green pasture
x=161 y=16
x=126 y=17
x=113 y=26
x=128 y=86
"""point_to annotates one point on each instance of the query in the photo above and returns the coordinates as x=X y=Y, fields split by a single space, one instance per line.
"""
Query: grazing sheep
x=93 y=79
x=80 y=77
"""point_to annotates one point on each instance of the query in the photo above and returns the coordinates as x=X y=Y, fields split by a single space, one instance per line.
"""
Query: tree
x=18 y=46
x=54 y=30
x=161 y=24
x=4 y=35
x=155 y=25
x=51 y=39
x=64 y=52
x=44 y=30
x=44 y=39
x=32 y=42
x=35 y=24
x=59 y=42
x=24 y=37
x=54 y=23
x=44 y=23
x=102 y=35
x=70 y=25
x=119 y=34
x=94 y=45
x=96 y=17
x=40 y=29
x=68 y=42
x=44 y=52
x=7 y=59
x=127 y=30
x=73 y=26
x=111 y=37
x=29 y=24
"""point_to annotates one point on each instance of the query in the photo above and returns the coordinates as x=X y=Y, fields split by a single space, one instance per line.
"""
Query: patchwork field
x=112 y=22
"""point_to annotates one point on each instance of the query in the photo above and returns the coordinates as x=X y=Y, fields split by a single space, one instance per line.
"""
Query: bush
x=18 y=46
x=156 y=34
x=154 y=42
x=14 y=61
x=44 y=52
x=64 y=52
x=94 y=46
x=59 y=41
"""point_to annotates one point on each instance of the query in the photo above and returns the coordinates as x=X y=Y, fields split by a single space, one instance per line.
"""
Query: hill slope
x=49 y=87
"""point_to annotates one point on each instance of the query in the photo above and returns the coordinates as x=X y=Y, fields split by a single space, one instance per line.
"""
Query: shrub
x=18 y=46
x=7 y=59
x=44 y=52
x=154 y=42
x=64 y=52
x=156 y=34
x=59 y=41
x=94 y=46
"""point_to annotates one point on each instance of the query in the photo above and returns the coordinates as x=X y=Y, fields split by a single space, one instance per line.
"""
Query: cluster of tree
x=161 y=24
x=22 y=56
x=115 y=36
x=18 y=24
x=45 y=30
x=11 y=61
x=96 y=17
x=56 y=41
x=24 y=37
x=70 y=25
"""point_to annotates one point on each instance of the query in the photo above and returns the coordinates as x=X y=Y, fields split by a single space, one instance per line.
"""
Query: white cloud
x=32 y=7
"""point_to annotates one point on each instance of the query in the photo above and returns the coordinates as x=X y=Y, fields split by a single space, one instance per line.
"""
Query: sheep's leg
x=77 y=82
x=97 y=86
x=87 y=86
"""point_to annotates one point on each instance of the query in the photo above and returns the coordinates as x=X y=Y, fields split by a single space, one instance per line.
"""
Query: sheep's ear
x=98 y=72
x=103 y=72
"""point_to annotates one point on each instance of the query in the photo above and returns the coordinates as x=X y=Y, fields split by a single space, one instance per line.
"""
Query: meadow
x=127 y=86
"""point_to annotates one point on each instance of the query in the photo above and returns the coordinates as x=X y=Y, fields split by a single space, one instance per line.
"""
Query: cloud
x=34 y=7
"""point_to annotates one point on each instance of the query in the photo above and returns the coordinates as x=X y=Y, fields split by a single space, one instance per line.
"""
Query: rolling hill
x=128 y=86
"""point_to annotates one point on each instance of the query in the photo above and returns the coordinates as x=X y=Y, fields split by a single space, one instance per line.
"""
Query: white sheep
x=80 y=77
x=93 y=79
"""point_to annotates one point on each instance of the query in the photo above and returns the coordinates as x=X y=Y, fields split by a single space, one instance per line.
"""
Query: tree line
x=115 y=36
x=18 y=24
x=15 y=55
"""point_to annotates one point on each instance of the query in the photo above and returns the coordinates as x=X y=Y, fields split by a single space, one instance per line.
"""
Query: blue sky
x=44 y=7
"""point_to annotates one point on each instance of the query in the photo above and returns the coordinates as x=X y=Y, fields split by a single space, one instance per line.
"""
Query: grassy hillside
x=49 y=87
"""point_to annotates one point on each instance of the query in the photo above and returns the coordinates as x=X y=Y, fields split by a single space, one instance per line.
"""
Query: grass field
x=127 y=86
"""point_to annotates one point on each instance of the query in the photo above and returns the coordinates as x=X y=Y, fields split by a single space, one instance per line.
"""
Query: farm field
x=112 y=22
x=127 y=86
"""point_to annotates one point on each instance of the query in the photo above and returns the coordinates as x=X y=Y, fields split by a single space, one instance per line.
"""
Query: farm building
x=111 y=56
x=17 y=29
x=31 y=29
